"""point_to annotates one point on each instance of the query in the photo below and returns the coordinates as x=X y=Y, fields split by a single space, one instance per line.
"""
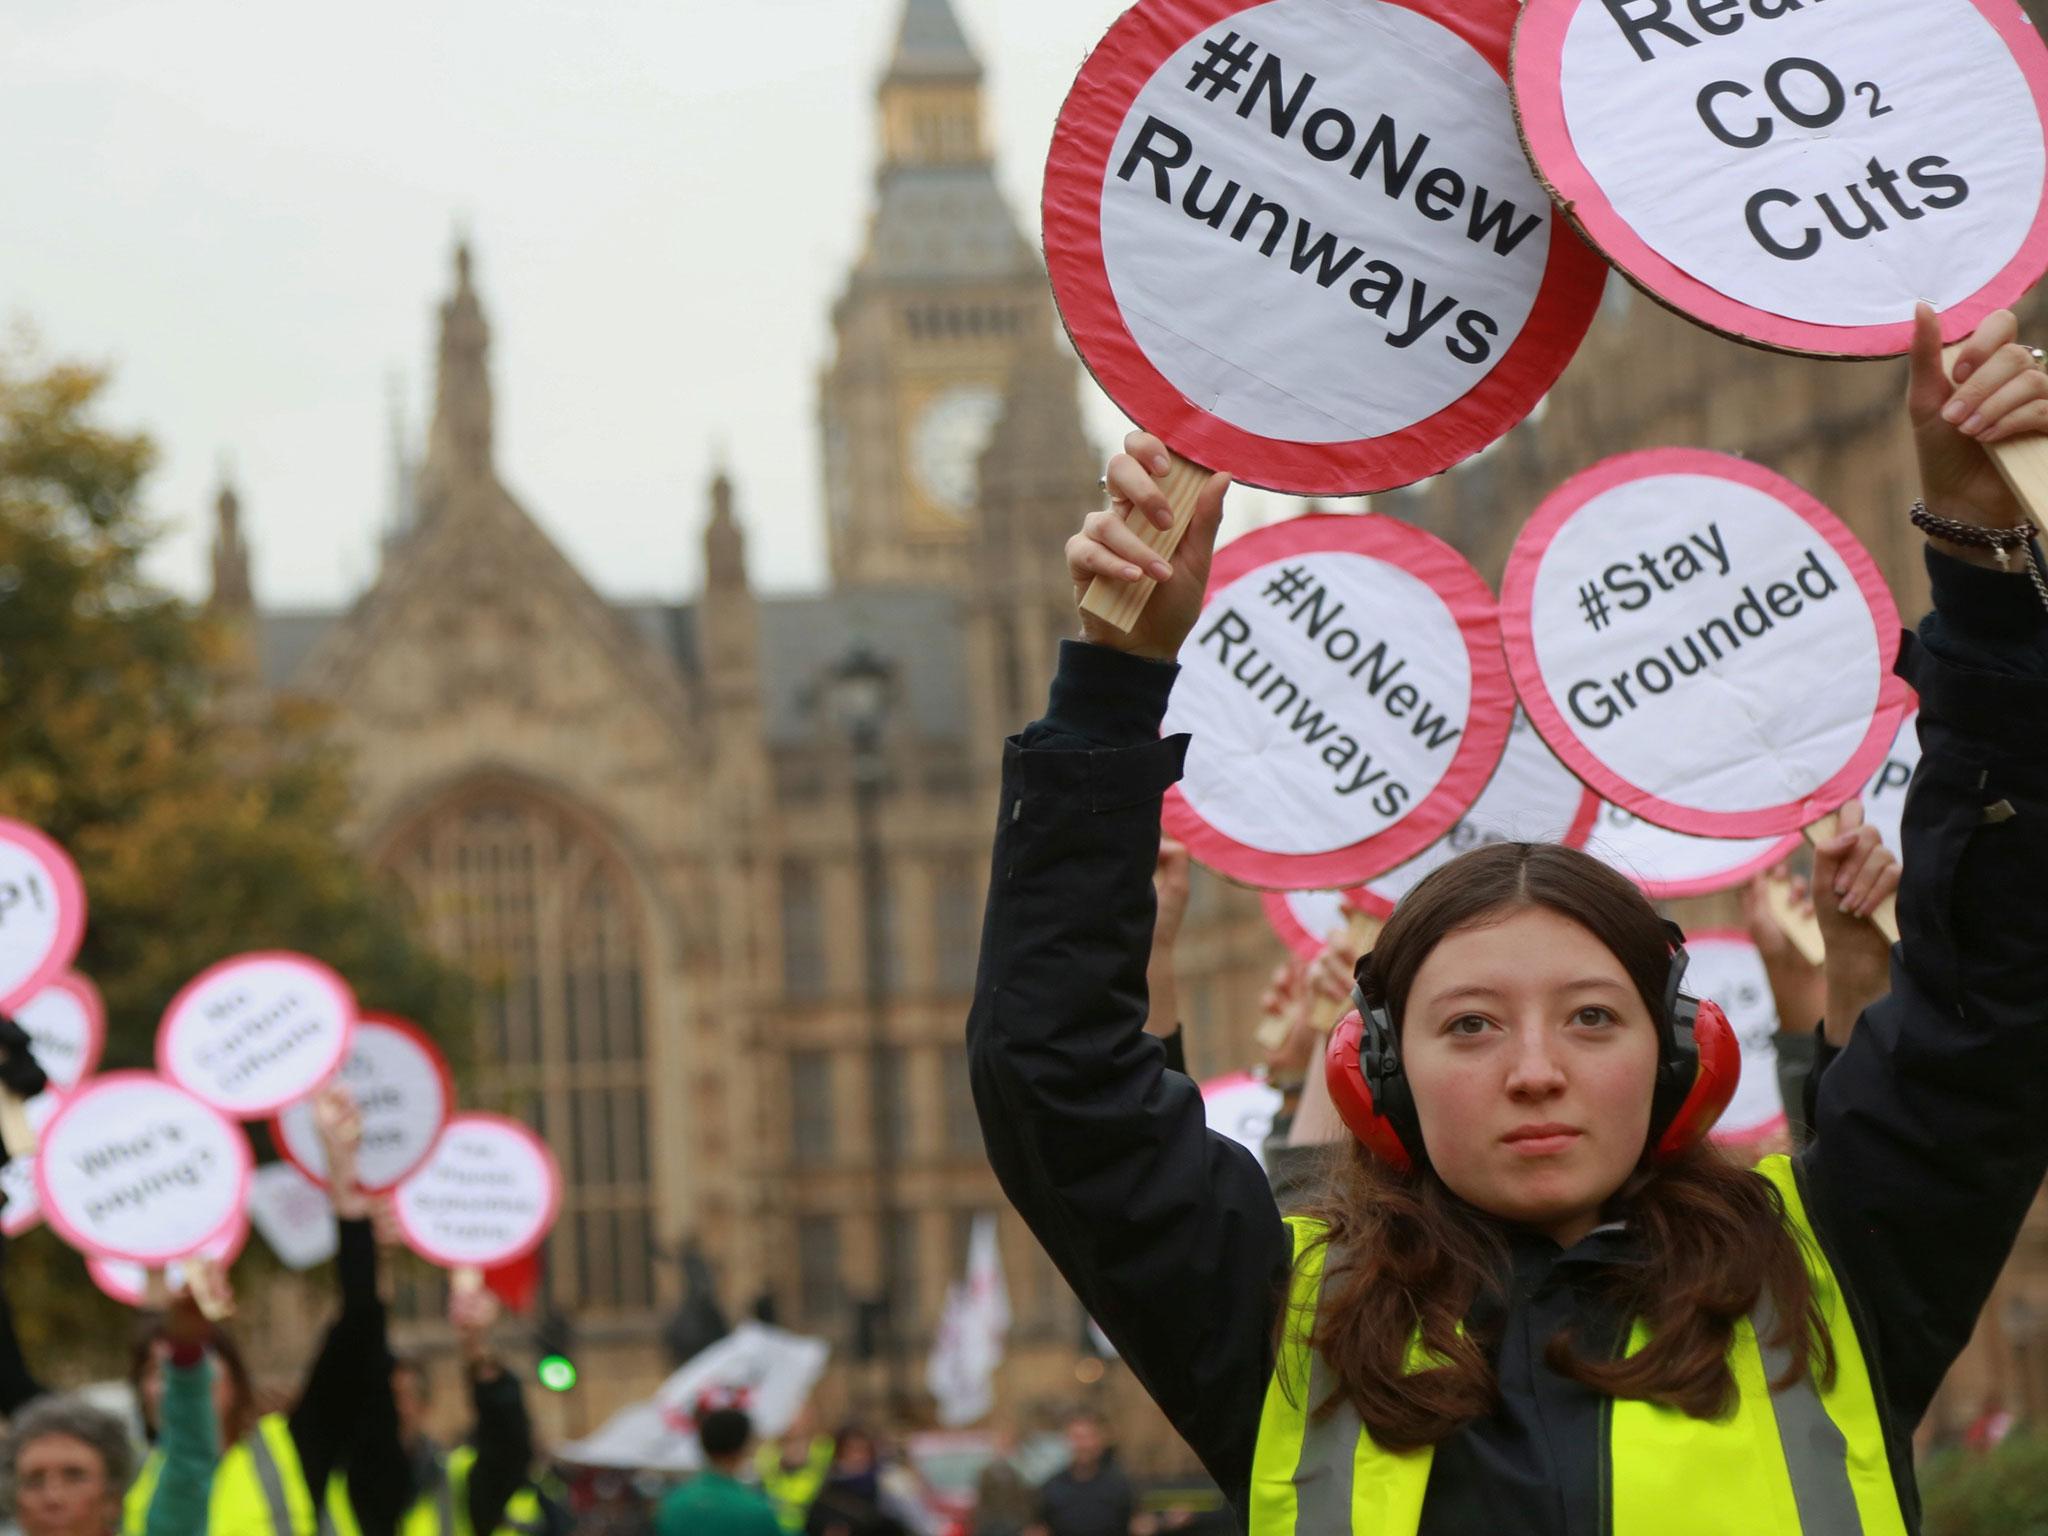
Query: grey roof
x=920 y=630
x=671 y=628
x=944 y=222
x=285 y=638
x=931 y=44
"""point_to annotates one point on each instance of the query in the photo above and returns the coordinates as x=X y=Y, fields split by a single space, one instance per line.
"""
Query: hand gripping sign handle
x=1120 y=602
x=1886 y=917
x=2022 y=462
x=15 y=1131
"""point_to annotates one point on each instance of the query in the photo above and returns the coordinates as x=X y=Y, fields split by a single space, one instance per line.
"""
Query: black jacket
x=1932 y=1137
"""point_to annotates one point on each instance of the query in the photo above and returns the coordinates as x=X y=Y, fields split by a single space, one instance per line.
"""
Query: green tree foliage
x=1998 y=1493
x=199 y=833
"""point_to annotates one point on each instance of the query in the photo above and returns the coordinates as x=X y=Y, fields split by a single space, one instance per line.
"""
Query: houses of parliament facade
x=731 y=1001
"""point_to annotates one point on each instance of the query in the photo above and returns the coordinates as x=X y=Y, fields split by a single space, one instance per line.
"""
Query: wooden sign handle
x=15 y=1131
x=1120 y=602
x=466 y=1281
x=1272 y=1032
x=1886 y=917
x=1801 y=929
x=2022 y=461
x=1361 y=931
x=207 y=1284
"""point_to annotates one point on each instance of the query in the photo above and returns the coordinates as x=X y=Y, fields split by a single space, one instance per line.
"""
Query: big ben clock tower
x=930 y=323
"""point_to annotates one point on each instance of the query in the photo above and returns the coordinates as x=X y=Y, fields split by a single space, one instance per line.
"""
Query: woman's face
x=62 y=1489
x=1532 y=1060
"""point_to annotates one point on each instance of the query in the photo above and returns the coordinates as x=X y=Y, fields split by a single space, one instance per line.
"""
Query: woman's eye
x=1469 y=1024
x=1594 y=1016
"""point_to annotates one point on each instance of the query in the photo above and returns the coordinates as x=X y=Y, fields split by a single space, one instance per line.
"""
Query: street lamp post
x=860 y=691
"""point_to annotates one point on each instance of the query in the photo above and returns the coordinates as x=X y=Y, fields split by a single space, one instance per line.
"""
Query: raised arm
x=1168 y=1234
x=188 y=1431
x=503 y=1433
x=1931 y=1136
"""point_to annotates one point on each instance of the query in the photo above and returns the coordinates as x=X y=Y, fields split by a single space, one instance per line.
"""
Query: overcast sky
x=248 y=210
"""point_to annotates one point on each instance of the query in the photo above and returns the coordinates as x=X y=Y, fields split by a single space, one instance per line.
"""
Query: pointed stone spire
x=459 y=441
x=232 y=590
x=930 y=45
x=725 y=542
x=402 y=512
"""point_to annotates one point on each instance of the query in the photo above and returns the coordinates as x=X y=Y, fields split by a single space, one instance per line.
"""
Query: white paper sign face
x=1241 y=1107
x=401 y=1088
x=1884 y=797
x=1668 y=865
x=1189 y=257
x=487 y=1196
x=66 y=1024
x=1727 y=968
x=1344 y=704
x=1702 y=642
x=1806 y=167
x=128 y=1282
x=1531 y=798
x=24 y=1206
x=294 y=1216
x=42 y=912
x=135 y=1168
x=257 y=1032
x=1304 y=920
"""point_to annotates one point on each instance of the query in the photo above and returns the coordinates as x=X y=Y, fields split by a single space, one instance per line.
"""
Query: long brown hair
x=1406 y=1254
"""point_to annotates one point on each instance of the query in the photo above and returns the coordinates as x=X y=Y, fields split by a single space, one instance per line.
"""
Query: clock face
x=946 y=442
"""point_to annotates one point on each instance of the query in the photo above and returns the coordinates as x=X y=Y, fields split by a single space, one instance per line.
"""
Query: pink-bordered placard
x=1489 y=715
x=1536 y=75
x=1136 y=46
x=67 y=892
x=324 y=979
x=289 y=1148
x=128 y=1282
x=551 y=1210
x=80 y=990
x=232 y=1191
x=1748 y=1136
x=1516 y=608
x=23 y=1211
x=1288 y=927
x=1765 y=853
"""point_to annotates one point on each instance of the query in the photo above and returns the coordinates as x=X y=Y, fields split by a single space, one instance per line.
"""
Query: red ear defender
x=1351 y=1094
x=1713 y=1084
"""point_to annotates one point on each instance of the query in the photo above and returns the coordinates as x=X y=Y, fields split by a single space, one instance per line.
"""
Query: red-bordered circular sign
x=1798 y=176
x=42 y=912
x=256 y=1032
x=66 y=1024
x=487 y=1196
x=1703 y=642
x=1304 y=920
x=1298 y=241
x=402 y=1089
x=1347 y=697
x=1670 y=865
x=1728 y=968
x=128 y=1282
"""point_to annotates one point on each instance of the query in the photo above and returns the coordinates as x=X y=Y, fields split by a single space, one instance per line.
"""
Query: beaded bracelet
x=2000 y=541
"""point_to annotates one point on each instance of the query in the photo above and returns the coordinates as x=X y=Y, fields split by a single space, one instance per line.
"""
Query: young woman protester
x=274 y=1468
x=1545 y=1306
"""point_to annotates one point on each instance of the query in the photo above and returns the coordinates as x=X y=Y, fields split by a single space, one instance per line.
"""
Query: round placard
x=1347 y=698
x=257 y=1032
x=1531 y=798
x=1669 y=865
x=42 y=912
x=21 y=1208
x=1241 y=1107
x=66 y=1024
x=1703 y=642
x=1727 y=967
x=1304 y=920
x=128 y=1282
x=132 y=1167
x=1798 y=175
x=487 y=1195
x=401 y=1086
x=1884 y=797
x=1300 y=243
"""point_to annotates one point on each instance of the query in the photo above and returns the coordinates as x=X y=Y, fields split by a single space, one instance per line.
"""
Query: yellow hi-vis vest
x=442 y=1510
x=792 y=1490
x=1802 y=1462
x=258 y=1488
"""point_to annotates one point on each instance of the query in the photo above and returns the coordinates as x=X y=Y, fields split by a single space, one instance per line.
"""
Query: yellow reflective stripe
x=1272 y=1508
x=243 y=1501
x=1852 y=1403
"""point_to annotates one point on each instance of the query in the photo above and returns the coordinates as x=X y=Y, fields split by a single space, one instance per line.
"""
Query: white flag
x=969 y=1346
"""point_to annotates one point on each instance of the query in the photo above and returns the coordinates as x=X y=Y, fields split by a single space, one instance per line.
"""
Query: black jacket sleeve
x=1168 y=1234
x=17 y=1384
x=1931 y=1133
x=504 y=1449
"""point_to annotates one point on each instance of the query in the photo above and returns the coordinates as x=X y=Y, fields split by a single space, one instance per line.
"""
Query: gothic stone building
x=636 y=824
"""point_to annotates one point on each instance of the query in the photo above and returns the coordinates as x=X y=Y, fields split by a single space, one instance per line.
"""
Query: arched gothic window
x=531 y=900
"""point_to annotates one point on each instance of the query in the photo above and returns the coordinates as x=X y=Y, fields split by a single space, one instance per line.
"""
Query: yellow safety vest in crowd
x=442 y=1510
x=258 y=1488
x=792 y=1490
x=1802 y=1462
